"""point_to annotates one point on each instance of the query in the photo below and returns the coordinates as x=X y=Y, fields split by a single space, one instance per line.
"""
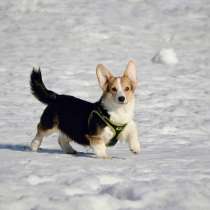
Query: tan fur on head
x=103 y=75
x=130 y=72
x=120 y=89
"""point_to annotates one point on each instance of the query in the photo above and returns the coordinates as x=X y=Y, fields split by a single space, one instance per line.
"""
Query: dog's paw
x=107 y=157
x=72 y=152
x=35 y=146
x=135 y=152
x=135 y=149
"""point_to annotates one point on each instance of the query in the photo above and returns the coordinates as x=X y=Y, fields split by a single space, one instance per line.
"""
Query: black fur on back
x=38 y=88
x=68 y=113
x=71 y=116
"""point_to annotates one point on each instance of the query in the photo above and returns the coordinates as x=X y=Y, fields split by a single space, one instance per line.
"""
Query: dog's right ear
x=103 y=75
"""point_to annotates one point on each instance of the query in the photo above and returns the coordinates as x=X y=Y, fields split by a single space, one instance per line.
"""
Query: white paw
x=107 y=157
x=70 y=151
x=67 y=149
x=135 y=148
x=35 y=146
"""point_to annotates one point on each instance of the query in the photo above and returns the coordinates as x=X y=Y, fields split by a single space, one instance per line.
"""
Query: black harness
x=116 y=128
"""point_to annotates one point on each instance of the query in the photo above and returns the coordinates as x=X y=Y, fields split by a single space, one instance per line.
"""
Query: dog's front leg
x=98 y=145
x=132 y=138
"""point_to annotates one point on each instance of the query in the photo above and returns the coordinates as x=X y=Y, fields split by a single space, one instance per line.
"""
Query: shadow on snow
x=25 y=148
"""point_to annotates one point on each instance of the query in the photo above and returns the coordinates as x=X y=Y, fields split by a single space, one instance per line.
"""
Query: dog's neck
x=119 y=113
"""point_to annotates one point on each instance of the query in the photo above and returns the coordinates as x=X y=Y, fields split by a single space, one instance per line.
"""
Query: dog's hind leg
x=64 y=142
x=41 y=133
x=47 y=125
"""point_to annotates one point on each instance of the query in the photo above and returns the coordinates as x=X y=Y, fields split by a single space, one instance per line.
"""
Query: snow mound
x=166 y=56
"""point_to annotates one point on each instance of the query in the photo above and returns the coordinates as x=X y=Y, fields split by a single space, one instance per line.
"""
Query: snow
x=165 y=56
x=35 y=180
x=68 y=39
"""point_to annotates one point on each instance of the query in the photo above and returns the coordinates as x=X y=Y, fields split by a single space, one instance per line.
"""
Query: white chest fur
x=121 y=113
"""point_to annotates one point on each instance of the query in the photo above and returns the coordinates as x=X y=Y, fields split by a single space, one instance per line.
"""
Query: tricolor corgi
x=98 y=125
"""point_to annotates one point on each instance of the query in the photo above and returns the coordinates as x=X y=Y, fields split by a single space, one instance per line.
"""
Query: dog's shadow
x=26 y=148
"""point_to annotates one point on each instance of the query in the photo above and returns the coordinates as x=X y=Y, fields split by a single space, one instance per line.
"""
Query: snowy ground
x=67 y=39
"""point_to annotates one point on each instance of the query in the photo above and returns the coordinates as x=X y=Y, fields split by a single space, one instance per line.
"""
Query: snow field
x=68 y=39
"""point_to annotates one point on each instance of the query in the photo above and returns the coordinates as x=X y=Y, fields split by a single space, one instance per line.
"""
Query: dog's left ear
x=130 y=72
x=103 y=75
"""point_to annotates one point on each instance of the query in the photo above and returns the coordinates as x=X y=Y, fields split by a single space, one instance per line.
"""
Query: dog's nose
x=121 y=98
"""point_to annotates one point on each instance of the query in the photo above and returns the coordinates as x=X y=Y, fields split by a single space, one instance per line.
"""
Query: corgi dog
x=98 y=125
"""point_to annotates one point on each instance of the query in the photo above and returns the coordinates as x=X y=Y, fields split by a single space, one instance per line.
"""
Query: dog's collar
x=116 y=128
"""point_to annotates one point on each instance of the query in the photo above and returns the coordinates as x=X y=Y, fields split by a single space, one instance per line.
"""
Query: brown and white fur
x=69 y=115
x=121 y=111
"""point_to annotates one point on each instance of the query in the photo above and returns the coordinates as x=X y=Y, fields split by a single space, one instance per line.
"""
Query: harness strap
x=116 y=128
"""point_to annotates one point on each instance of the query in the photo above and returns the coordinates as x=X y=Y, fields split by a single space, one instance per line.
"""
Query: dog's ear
x=103 y=75
x=130 y=72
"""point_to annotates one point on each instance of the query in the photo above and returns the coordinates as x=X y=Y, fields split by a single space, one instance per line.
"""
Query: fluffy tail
x=38 y=88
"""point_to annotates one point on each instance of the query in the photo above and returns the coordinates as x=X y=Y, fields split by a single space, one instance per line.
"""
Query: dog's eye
x=127 y=89
x=114 y=89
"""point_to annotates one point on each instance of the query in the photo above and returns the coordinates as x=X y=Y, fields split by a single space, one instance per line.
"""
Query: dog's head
x=118 y=90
